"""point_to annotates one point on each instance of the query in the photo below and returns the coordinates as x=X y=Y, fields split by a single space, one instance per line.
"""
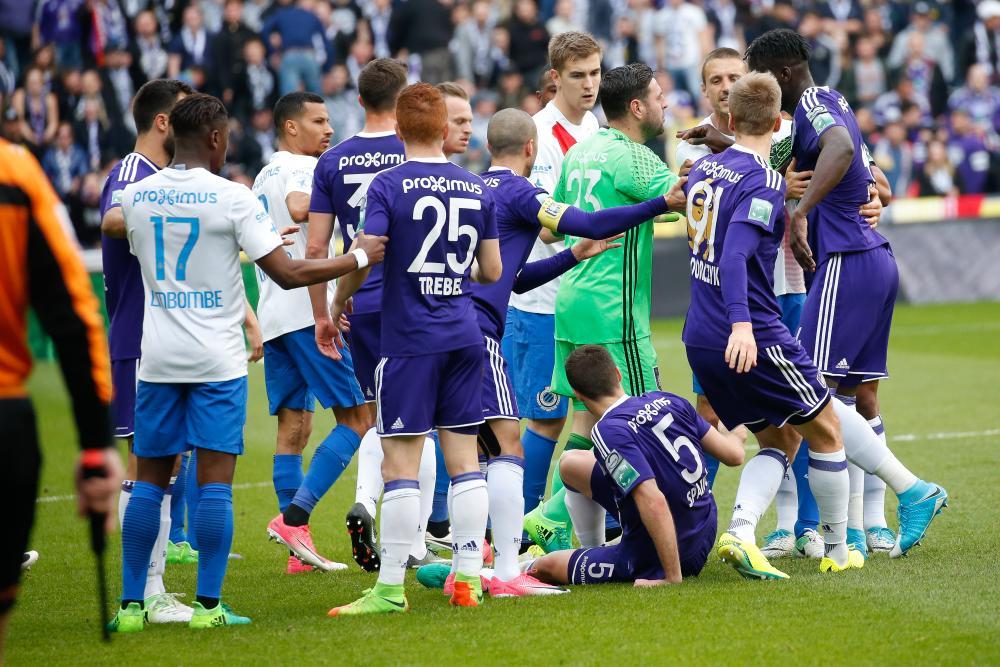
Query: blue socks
x=808 y=510
x=439 y=510
x=331 y=457
x=213 y=525
x=538 y=452
x=178 y=506
x=287 y=477
x=712 y=466
x=191 y=494
x=139 y=531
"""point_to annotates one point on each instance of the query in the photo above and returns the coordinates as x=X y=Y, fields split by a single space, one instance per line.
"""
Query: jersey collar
x=376 y=135
x=621 y=399
x=429 y=160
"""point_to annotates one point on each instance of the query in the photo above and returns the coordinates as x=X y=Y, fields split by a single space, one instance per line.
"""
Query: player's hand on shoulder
x=796 y=181
x=286 y=232
x=685 y=169
x=587 y=248
x=741 y=351
x=373 y=246
x=872 y=211
x=800 y=241
x=676 y=198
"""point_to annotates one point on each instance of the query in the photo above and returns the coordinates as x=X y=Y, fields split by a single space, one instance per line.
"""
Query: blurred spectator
x=244 y=151
x=296 y=34
x=147 y=48
x=212 y=11
x=937 y=178
x=924 y=73
x=8 y=81
x=683 y=37
x=877 y=28
x=529 y=40
x=982 y=44
x=189 y=47
x=889 y=106
x=92 y=133
x=824 y=54
x=262 y=132
x=979 y=99
x=782 y=14
x=361 y=53
x=108 y=29
x=65 y=163
x=254 y=84
x=346 y=114
x=340 y=24
x=511 y=88
x=681 y=107
x=968 y=152
x=68 y=90
x=423 y=28
x=937 y=46
x=227 y=48
x=120 y=78
x=37 y=111
x=841 y=15
x=85 y=210
x=564 y=20
x=379 y=14
x=864 y=79
x=474 y=45
x=59 y=22
x=724 y=17
x=894 y=156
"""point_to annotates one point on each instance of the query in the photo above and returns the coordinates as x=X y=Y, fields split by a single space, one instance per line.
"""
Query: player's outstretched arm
x=706 y=135
x=542 y=271
x=726 y=447
x=659 y=522
x=572 y=221
x=291 y=273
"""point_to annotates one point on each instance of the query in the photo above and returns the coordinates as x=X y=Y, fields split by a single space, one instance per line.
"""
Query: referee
x=40 y=267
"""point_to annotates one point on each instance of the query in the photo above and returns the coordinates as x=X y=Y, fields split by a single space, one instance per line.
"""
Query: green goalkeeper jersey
x=606 y=299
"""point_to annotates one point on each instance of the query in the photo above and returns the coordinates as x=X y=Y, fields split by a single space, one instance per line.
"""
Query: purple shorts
x=499 y=398
x=635 y=556
x=365 y=341
x=123 y=380
x=848 y=312
x=415 y=395
x=783 y=387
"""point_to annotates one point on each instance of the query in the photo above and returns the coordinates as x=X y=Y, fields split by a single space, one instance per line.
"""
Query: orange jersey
x=40 y=267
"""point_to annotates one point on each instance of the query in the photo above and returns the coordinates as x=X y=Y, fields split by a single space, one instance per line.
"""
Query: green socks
x=554 y=508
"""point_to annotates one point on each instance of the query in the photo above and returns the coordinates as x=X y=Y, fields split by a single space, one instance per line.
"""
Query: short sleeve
x=763 y=203
x=544 y=173
x=822 y=111
x=623 y=460
x=112 y=193
x=527 y=201
x=321 y=199
x=254 y=228
x=374 y=219
x=490 y=230
x=299 y=180
x=643 y=176
x=694 y=422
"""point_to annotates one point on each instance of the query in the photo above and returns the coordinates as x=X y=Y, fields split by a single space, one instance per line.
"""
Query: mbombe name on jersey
x=197 y=299
x=441 y=184
x=377 y=160
x=173 y=197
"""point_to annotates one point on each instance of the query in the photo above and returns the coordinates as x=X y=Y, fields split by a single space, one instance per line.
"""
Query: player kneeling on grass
x=648 y=469
x=186 y=226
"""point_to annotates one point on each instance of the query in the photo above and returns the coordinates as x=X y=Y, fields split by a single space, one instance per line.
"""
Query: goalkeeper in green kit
x=606 y=300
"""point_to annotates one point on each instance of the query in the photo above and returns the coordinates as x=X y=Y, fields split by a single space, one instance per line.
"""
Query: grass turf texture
x=937 y=606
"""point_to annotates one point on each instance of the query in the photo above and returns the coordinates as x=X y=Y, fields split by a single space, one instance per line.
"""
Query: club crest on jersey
x=547 y=400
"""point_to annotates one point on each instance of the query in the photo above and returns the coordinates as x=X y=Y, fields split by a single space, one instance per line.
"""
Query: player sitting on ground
x=647 y=468
x=186 y=225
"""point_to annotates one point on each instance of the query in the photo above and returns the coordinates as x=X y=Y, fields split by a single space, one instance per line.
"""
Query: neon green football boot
x=380 y=599
x=855 y=561
x=181 y=553
x=547 y=533
x=218 y=617
x=130 y=619
x=746 y=558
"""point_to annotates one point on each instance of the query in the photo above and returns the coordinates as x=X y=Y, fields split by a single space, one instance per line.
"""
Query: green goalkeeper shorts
x=635 y=359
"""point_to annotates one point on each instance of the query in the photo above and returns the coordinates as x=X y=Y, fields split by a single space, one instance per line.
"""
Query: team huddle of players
x=437 y=337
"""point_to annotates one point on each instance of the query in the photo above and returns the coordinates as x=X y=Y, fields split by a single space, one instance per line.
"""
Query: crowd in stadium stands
x=923 y=77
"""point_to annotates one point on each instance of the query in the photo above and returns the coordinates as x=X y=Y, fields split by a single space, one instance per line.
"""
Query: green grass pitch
x=938 y=606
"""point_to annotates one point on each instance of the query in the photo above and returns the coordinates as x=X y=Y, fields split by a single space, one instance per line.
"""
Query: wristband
x=361 y=256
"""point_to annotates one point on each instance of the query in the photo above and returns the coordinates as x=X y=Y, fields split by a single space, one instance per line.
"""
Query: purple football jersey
x=656 y=436
x=123 y=290
x=517 y=204
x=835 y=225
x=731 y=188
x=435 y=214
x=340 y=181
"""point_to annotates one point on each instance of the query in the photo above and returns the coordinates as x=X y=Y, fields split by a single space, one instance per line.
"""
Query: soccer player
x=124 y=298
x=575 y=61
x=295 y=372
x=432 y=341
x=735 y=226
x=186 y=226
x=848 y=313
x=607 y=301
x=42 y=270
x=649 y=469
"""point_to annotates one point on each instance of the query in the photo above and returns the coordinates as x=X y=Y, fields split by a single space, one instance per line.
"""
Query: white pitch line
x=61 y=499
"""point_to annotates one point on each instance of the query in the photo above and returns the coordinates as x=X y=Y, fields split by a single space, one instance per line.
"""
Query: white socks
x=400 y=513
x=369 y=486
x=469 y=511
x=758 y=484
x=786 y=502
x=505 y=482
x=856 y=497
x=427 y=477
x=830 y=485
x=867 y=451
x=588 y=519
x=875 y=487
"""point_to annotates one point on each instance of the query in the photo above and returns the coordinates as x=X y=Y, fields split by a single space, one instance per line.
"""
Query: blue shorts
x=365 y=341
x=171 y=418
x=123 y=380
x=783 y=387
x=848 y=313
x=499 y=401
x=297 y=375
x=635 y=556
x=791 y=311
x=529 y=347
x=415 y=395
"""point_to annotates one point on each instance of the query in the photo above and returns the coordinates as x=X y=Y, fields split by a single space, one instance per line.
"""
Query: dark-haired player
x=848 y=312
x=296 y=374
x=647 y=468
x=186 y=226
x=124 y=299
